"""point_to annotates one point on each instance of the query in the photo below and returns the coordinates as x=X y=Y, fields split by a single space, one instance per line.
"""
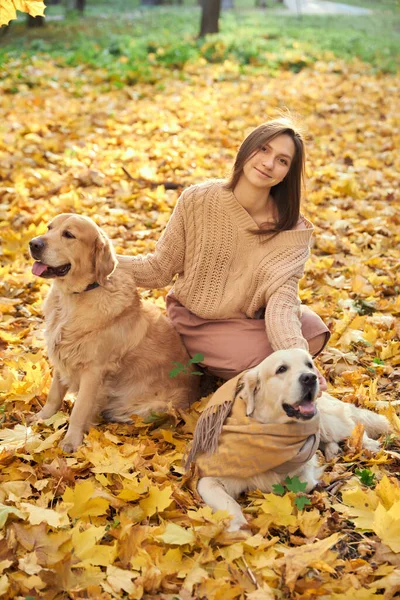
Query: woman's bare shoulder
x=302 y=223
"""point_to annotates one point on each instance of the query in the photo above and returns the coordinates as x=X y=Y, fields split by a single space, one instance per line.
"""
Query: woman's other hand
x=322 y=382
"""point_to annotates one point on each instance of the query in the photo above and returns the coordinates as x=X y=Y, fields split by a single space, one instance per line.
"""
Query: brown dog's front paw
x=40 y=416
x=69 y=446
x=31 y=419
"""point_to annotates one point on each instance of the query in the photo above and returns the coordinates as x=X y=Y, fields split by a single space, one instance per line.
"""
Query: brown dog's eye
x=68 y=235
x=282 y=369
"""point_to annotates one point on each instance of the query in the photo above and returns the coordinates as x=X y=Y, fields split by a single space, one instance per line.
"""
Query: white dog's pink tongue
x=307 y=408
x=38 y=268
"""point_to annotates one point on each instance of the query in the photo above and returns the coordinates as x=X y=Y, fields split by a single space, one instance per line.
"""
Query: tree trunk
x=35 y=21
x=209 y=16
x=4 y=30
x=80 y=6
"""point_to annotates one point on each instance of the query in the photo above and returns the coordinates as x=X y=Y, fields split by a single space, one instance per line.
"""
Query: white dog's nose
x=308 y=379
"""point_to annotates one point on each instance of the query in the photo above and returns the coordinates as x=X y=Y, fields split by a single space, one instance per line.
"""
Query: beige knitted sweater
x=225 y=271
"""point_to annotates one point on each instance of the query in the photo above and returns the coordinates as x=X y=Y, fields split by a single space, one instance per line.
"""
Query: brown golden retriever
x=112 y=349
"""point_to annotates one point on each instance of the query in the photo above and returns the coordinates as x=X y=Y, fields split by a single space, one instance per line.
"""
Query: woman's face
x=269 y=165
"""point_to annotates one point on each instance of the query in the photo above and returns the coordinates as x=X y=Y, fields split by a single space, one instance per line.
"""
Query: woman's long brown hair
x=287 y=193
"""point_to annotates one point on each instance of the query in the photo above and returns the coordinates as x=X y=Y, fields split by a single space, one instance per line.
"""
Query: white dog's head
x=282 y=388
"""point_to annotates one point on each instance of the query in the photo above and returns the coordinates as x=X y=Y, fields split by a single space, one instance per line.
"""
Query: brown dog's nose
x=36 y=245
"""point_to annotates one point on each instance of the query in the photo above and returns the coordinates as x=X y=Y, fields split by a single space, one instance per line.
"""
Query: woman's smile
x=263 y=173
x=269 y=165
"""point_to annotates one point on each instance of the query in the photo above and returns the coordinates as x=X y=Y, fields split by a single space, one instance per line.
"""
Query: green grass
x=378 y=5
x=129 y=42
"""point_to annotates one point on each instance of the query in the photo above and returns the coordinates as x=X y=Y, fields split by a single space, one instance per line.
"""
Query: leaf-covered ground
x=119 y=518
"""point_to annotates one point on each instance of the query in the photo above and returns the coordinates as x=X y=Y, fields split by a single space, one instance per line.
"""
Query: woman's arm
x=157 y=269
x=282 y=317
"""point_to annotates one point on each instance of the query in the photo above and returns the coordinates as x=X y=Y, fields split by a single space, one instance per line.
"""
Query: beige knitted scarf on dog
x=228 y=443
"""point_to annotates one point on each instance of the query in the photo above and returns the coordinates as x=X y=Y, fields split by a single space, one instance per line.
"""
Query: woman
x=239 y=248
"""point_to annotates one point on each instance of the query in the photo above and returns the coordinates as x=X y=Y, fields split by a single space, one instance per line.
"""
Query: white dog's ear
x=105 y=259
x=251 y=385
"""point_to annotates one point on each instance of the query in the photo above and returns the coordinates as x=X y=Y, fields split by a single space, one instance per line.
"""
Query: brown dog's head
x=282 y=388
x=74 y=251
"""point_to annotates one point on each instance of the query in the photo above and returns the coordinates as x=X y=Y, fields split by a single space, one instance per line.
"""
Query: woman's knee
x=318 y=343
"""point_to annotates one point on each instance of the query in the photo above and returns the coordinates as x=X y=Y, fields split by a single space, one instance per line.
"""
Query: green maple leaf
x=378 y=361
x=295 y=485
x=278 y=489
x=196 y=358
x=153 y=417
x=366 y=476
x=301 y=502
x=175 y=372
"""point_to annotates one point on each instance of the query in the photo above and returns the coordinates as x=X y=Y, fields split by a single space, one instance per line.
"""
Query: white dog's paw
x=372 y=445
x=331 y=449
x=238 y=522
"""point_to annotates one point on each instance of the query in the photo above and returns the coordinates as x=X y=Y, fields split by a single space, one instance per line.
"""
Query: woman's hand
x=322 y=382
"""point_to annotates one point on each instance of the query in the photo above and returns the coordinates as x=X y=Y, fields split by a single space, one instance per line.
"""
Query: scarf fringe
x=208 y=430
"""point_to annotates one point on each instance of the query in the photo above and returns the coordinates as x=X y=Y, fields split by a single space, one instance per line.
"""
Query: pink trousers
x=230 y=346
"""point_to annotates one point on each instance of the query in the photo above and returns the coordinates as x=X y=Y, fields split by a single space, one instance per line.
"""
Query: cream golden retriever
x=112 y=349
x=283 y=389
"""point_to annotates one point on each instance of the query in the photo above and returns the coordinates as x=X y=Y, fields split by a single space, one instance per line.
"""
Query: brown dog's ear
x=105 y=259
x=251 y=385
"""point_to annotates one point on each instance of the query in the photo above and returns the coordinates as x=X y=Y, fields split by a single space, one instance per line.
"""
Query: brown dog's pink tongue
x=38 y=268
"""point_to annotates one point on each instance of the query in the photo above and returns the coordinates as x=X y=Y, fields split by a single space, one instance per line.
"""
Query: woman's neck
x=258 y=203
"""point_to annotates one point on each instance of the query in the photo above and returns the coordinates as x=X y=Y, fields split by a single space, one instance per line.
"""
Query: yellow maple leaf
x=388 y=491
x=29 y=563
x=196 y=575
x=279 y=508
x=297 y=559
x=9 y=510
x=12 y=439
x=86 y=547
x=4 y=585
x=15 y=490
x=38 y=514
x=363 y=504
x=109 y=459
x=390 y=583
x=392 y=349
x=355 y=441
x=12 y=338
x=354 y=594
x=120 y=579
x=82 y=501
x=49 y=442
x=157 y=500
x=133 y=489
x=386 y=525
x=261 y=593
x=232 y=552
x=170 y=562
x=360 y=285
x=176 y=535
x=310 y=522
